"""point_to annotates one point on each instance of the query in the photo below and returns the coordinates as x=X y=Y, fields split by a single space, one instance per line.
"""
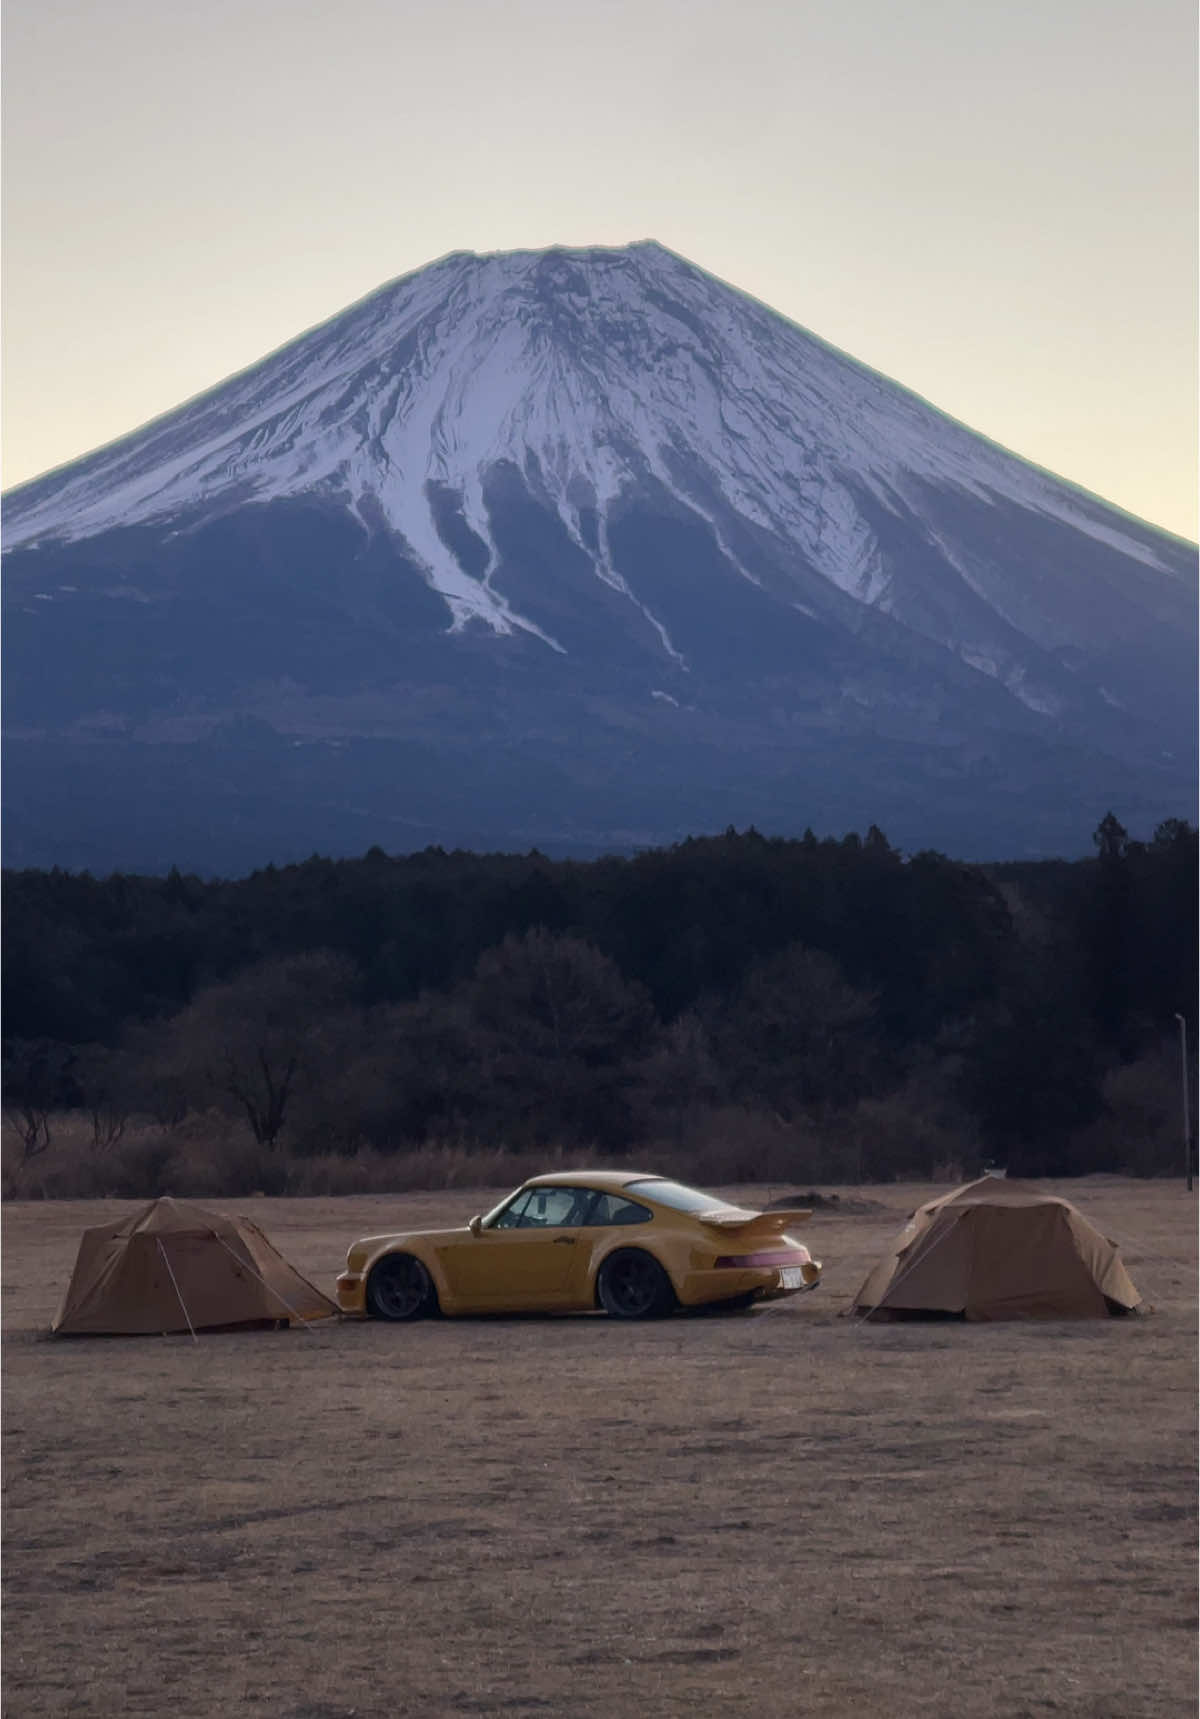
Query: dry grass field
x=769 y=1514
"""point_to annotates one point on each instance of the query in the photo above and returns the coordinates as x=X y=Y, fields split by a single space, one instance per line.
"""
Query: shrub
x=1141 y=1130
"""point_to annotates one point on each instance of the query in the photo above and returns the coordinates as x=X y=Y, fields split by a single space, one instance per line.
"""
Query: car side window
x=611 y=1209
x=540 y=1209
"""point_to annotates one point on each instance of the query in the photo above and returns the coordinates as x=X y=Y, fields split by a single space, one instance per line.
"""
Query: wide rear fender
x=659 y=1249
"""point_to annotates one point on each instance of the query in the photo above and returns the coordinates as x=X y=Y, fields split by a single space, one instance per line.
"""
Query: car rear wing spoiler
x=745 y=1224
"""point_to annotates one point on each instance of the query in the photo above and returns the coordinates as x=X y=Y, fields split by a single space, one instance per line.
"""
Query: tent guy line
x=269 y=1287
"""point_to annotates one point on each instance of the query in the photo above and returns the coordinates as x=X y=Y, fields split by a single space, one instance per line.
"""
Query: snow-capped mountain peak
x=586 y=370
x=597 y=503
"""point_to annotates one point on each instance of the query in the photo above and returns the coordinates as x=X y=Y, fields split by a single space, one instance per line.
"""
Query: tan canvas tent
x=997 y=1249
x=175 y=1267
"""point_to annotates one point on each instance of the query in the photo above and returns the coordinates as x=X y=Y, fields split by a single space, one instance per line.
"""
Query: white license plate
x=791 y=1277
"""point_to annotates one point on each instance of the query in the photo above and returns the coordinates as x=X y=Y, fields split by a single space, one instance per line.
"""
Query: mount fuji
x=582 y=550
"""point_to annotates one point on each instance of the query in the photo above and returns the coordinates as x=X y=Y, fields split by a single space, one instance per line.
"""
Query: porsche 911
x=637 y=1246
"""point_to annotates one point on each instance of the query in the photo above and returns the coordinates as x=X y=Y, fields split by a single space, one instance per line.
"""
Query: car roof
x=603 y=1179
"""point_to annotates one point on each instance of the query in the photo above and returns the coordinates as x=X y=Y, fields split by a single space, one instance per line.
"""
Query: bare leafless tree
x=35 y=1077
x=254 y=1042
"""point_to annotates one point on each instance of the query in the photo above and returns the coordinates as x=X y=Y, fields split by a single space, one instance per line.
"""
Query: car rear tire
x=399 y=1287
x=632 y=1285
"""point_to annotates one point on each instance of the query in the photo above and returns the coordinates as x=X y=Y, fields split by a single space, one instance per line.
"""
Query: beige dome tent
x=176 y=1267
x=997 y=1249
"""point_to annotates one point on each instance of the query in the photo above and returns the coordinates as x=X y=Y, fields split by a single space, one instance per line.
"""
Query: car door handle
x=564 y=1241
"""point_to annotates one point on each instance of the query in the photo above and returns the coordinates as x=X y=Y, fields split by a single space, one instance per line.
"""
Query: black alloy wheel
x=399 y=1287
x=632 y=1285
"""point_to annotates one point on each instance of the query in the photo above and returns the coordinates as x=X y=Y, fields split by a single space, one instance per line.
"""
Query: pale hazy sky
x=992 y=201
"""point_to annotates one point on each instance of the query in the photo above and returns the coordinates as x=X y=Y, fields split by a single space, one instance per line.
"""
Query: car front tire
x=632 y=1285
x=400 y=1287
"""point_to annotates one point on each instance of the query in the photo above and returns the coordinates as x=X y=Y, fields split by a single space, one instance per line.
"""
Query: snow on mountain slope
x=591 y=372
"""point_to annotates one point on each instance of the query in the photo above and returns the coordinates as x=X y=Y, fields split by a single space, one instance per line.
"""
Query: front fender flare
x=426 y=1255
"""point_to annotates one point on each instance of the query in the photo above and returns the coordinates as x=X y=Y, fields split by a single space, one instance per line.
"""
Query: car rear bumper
x=730 y=1284
x=810 y=1278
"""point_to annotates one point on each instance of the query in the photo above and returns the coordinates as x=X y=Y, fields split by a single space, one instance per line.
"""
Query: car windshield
x=489 y=1222
x=675 y=1194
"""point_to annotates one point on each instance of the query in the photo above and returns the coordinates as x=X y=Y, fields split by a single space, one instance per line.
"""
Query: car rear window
x=676 y=1195
x=612 y=1209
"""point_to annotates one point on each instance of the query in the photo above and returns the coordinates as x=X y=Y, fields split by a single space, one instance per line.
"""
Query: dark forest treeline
x=878 y=1014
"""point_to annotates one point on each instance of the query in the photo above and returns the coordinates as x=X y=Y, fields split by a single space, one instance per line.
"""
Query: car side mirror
x=475 y=1225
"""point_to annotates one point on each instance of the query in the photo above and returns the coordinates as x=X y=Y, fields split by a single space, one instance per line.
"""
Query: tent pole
x=175 y=1287
x=295 y=1313
x=895 y=1282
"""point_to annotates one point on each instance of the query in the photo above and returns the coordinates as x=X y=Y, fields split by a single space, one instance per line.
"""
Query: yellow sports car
x=638 y=1246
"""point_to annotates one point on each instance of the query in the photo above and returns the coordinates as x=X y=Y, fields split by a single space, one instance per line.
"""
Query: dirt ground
x=771 y=1514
